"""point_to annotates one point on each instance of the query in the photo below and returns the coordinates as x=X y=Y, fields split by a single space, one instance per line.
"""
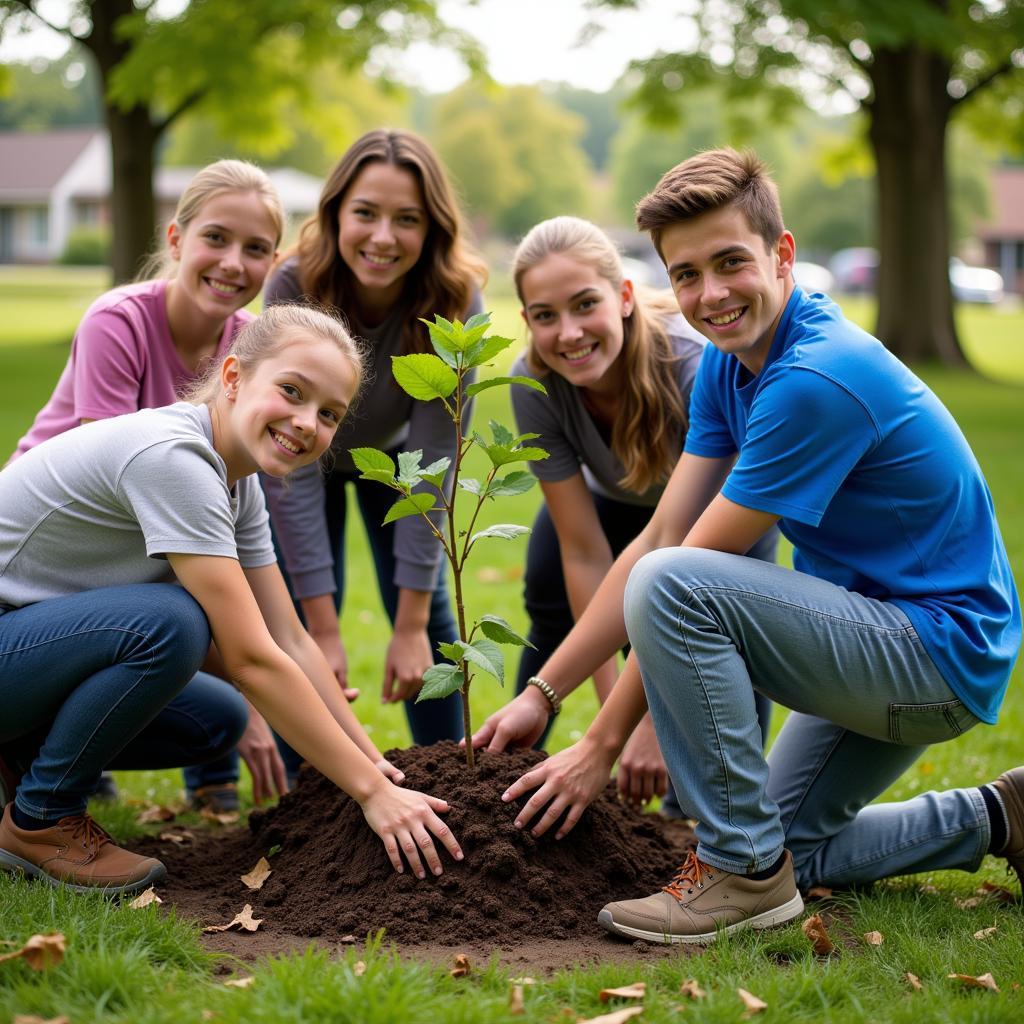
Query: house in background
x=1003 y=233
x=54 y=182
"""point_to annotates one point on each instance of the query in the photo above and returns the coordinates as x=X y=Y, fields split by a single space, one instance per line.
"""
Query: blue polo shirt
x=875 y=484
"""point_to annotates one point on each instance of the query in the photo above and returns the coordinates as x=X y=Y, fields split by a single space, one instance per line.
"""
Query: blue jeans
x=710 y=630
x=107 y=679
x=547 y=601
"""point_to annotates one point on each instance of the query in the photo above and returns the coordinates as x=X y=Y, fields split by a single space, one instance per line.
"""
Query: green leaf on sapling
x=373 y=464
x=424 y=376
x=452 y=651
x=487 y=655
x=478 y=320
x=519 y=481
x=409 y=467
x=440 y=681
x=435 y=472
x=506 y=531
x=497 y=629
x=467 y=483
x=503 y=454
x=498 y=382
x=500 y=433
x=486 y=349
x=412 y=505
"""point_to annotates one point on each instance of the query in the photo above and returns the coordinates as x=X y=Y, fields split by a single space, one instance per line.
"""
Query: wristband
x=546 y=688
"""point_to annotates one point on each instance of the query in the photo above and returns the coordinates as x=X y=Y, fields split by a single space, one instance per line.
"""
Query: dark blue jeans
x=107 y=679
x=547 y=602
x=431 y=720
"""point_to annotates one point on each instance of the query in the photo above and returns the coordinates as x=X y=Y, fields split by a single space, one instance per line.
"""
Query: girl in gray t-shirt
x=127 y=543
x=618 y=363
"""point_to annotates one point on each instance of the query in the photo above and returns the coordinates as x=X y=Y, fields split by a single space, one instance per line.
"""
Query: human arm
x=322 y=623
x=285 y=676
x=408 y=655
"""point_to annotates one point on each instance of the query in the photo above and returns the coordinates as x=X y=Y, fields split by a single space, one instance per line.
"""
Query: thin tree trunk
x=909 y=115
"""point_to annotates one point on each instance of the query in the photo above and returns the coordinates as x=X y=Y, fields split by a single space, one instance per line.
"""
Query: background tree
x=909 y=66
x=515 y=154
x=246 y=66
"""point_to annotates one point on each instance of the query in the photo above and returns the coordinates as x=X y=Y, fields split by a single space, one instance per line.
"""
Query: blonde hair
x=213 y=180
x=645 y=434
x=262 y=337
x=448 y=270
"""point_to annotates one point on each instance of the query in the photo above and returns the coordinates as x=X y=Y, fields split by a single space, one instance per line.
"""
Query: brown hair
x=448 y=269
x=645 y=435
x=213 y=180
x=709 y=181
x=261 y=337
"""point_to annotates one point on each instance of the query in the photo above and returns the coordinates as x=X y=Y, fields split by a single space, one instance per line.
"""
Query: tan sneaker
x=77 y=853
x=1010 y=787
x=702 y=902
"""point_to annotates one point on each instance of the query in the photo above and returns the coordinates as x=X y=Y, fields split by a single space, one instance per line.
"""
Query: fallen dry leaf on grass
x=41 y=952
x=751 y=1002
x=928 y=889
x=635 y=991
x=144 y=899
x=154 y=814
x=462 y=966
x=691 y=989
x=914 y=981
x=219 y=817
x=178 y=838
x=999 y=893
x=359 y=968
x=259 y=874
x=208 y=1015
x=874 y=938
x=981 y=981
x=817 y=935
x=349 y=940
x=31 y=1018
x=615 y=1017
x=240 y=982
x=516 y=1003
x=968 y=904
x=244 y=921
x=819 y=892
x=986 y=933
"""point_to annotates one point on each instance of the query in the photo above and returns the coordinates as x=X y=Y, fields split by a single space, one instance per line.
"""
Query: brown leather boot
x=77 y=853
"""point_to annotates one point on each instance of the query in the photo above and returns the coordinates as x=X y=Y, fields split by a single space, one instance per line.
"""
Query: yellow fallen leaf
x=243 y=920
x=986 y=933
x=635 y=991
x=751 y=1002
x=359 y=968
x=516 y=1003
x=154 y=814
x=874 y=938
x=41 y=952
x=817 y=935
x=240 y=982
x=219 y=817
x=144 y=899
x=462 y=966
x=981 y=981
x=691 y=989
x=615 y=1017
x=259 y=874
x=914 y=981
x=819 y=892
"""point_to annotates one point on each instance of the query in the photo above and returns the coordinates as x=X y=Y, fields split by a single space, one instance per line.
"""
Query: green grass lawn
x=146 y=966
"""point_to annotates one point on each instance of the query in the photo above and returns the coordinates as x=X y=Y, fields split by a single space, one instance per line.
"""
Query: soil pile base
x=331 y=877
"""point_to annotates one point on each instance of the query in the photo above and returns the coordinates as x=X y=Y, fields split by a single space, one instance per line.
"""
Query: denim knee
x=184 y=632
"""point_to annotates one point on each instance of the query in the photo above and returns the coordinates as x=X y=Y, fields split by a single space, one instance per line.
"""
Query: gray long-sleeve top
x=384 y=417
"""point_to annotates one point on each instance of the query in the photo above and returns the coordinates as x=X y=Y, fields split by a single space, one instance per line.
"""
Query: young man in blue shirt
x=899 y=627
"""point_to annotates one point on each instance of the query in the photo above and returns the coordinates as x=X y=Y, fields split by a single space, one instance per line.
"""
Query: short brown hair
x=709 y=181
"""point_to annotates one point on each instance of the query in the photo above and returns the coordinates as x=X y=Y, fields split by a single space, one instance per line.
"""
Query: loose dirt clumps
x=331 y=877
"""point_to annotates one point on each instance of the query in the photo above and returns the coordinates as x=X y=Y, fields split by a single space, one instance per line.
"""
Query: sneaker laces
x=83 y=827
x=690 y=874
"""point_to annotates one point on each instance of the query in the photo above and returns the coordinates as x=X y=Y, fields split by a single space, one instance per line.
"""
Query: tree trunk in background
x=909 y=115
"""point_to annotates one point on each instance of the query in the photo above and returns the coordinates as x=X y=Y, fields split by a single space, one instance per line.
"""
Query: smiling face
x=223 y=255
x=575 y=320
x=283 y=412
x=382 y=227
x=729 y=285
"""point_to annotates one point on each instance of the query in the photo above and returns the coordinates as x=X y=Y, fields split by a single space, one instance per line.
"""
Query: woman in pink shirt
x=143 y=345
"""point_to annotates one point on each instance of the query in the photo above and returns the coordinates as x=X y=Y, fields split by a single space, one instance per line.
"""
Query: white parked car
x=813 y=277
x=975 y=284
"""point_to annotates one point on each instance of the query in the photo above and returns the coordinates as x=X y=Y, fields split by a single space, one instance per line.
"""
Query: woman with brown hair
x=385 y=247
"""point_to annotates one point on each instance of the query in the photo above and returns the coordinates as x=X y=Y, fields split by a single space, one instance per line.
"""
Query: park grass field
x=147 y=966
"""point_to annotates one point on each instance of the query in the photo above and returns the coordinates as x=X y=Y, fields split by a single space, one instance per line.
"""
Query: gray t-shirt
x=384 y=417
x=572 y=438
x=103 y=504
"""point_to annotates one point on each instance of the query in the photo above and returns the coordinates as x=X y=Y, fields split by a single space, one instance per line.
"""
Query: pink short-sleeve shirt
x=122 y=359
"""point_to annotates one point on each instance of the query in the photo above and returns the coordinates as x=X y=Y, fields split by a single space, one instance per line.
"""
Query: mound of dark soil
x=331 y=877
